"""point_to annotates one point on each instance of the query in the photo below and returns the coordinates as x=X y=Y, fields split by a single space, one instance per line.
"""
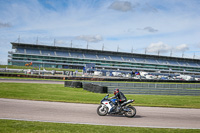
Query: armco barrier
x=67 y=83
x=87 y=86
x=95 y=88
x=73 y=84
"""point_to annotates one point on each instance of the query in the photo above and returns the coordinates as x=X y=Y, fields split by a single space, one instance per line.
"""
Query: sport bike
x=110 y=107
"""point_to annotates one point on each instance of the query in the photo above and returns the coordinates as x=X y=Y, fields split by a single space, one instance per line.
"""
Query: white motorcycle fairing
x=107 y=104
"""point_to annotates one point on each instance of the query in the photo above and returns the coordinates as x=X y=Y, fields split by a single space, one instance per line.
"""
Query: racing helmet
x=116 y=91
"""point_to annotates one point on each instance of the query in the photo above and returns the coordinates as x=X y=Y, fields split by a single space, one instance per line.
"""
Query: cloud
x=158 y=47
x=148 y=8
x=149 y=29
x=123 y=6
x=96 y=38
x=182 y=48
x=60 y=42
x=5 y=25
x=164 y=48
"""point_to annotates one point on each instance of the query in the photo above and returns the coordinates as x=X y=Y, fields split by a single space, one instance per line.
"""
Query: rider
x=120 y=98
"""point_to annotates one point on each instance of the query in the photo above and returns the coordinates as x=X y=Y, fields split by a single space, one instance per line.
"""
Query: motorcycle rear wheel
x=131 y=113
x=102 y=111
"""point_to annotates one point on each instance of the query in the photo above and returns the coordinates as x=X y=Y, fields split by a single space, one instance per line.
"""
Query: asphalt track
x=59 y=112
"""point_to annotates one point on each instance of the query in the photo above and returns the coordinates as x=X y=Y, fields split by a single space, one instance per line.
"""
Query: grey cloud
x=149 y=29
x=5 y=25
x=123 y=6
x=96 y=38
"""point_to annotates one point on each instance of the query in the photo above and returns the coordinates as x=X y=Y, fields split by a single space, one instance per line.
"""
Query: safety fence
x=86 y=86
x=153 y=88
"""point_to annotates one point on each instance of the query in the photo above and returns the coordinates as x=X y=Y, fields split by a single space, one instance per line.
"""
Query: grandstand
x=77 y=58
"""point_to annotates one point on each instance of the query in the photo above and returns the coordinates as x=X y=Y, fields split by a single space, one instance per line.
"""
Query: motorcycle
x=110 y=107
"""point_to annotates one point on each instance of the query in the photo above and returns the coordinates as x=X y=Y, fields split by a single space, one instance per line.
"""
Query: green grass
x=54 y=92
x=8 y=126
x=47 y=92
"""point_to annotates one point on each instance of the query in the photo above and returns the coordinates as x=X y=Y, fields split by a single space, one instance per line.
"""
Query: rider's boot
x=118 y=108
x=111 y=110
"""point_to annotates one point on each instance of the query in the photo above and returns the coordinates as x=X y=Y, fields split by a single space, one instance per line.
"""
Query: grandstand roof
x=14 y=45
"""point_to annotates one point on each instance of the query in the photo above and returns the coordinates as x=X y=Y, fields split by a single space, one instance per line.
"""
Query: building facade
x=77 y=58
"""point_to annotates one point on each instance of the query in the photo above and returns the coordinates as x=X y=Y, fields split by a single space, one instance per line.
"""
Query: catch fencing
x=153 y=88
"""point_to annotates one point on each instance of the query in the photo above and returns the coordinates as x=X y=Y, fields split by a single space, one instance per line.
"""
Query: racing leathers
x=120 y=99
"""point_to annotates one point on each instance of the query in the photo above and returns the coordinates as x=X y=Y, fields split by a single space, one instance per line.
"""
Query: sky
x=155 y=27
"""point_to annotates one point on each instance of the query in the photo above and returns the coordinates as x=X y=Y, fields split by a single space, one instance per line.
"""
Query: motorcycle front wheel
x=131 y=112
x=102 y=110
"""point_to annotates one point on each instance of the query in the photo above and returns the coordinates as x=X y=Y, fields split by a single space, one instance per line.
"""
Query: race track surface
x=86 y=114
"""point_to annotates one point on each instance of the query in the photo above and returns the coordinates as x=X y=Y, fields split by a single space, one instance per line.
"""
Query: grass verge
x=7 y=126
x=59 y=93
